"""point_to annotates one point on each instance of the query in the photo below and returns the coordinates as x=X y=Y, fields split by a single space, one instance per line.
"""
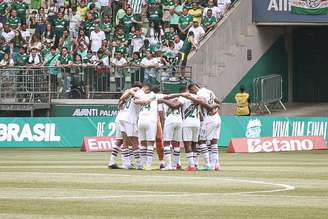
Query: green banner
x=52 y=131
x=69 y=131
x=268 y=126
x=83 y=110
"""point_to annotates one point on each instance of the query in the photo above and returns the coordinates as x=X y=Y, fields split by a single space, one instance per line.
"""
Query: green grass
x=65 y=183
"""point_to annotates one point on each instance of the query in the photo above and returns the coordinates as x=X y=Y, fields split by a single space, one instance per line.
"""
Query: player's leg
x=187 y=140
x=143 y=143
x=194 y=139
x=125 y=152
x=213 y=135
x=202 y=147
x=167 y=135
x=159 y=143
x=177 y=139
x=136 y=151
x=116 y=148
x=151 y=137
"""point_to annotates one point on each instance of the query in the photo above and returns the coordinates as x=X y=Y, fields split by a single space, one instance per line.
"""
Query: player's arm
x=172 y=96
x=171 y=103
x=124 y=96
x=199 y=100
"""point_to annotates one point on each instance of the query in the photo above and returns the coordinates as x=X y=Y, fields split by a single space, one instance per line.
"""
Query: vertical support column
x=289 y=47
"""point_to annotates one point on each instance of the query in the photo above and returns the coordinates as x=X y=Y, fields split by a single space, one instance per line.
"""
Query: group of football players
x=148 y=119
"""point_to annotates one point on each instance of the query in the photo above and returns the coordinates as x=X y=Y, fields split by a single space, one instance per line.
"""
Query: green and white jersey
x=22 y=59
x=172 y=115
x=59 y=25
x=13 y=22
x=155 y=14
x=126 y=22
x=21 y=8
x=65 y=60
x=136 y=6
x=190 y=113
x=3 y=8
x=148 y=112
x=187 y=45
x=208 y=21
x=185 y=20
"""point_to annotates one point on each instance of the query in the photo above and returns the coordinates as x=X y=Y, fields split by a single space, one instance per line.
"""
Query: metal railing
x=267 y=92
x=25 y=85
x=41 y=84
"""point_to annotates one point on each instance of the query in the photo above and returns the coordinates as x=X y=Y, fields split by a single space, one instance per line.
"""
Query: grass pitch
x=62 y=183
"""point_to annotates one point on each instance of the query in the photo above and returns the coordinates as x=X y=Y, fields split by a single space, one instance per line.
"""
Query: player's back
x=190 y=112
x=148 y=112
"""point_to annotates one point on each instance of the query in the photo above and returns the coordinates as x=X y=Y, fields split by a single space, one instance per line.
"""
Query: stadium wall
x=221 y=62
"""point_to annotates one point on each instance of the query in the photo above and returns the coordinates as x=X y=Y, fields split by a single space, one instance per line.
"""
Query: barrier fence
x=267 y=91
x=40 y=84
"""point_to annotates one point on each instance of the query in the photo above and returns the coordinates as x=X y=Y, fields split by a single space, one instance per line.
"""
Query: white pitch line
x=283 y=187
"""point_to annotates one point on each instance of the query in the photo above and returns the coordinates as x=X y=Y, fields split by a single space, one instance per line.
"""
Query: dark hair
x=137 y=84
x=147 y=85
x=183 y=89
x=53 y=47
x=191 y=85
x=242 y=88
x=155 y=89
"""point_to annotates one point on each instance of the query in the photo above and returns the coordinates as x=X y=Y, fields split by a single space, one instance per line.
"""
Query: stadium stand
x=110 y=44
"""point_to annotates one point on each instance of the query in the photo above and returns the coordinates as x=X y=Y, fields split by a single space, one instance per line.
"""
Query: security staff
x=243 y=102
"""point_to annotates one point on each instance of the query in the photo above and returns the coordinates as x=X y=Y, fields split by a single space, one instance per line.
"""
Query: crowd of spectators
x=146 y=33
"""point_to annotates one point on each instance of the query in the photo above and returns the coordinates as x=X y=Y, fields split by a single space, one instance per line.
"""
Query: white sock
x=167 y=156
x=204 y=151
x=143 y=152
x=131 y=157
x=214 y=155
x=136 y=154
x=190 y=158
x=125 y=157
x=176 y=157
x=114 y=154
x=150 y=155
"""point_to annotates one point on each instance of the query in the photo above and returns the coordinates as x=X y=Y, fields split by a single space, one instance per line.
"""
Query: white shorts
x=129 y=128
x=190 y=134
x=172 y=132
x=147 y=131
x=210 y=131
x=118 y=131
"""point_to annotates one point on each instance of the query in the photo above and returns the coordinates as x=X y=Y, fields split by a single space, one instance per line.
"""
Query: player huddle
x=146 y=117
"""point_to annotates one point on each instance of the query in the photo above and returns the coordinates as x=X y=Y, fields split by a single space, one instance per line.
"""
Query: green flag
x=309 y=7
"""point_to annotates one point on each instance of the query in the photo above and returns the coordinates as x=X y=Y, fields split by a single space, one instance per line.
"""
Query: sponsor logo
x=276 y=145
x=253 y=129
x=313 y=3
x=13 y=132
x=98 y=144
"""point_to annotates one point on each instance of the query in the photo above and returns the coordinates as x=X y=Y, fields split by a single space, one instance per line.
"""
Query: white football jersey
x=172 y=115
x=190 y=113
x=209 y=96
x=148 y=112
x=129 y=113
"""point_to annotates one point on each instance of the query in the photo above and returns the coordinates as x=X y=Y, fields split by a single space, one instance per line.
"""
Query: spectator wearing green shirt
x=21 y=8
x=65 y=60
x=175 y=12
x=13 y=20
x=185 y=22
x=88 y=24
x=127 y=21
x=66 y=41
x=188 y=44
x=106 y=26
x=22 y=57
x=50 y=60
x=209 y=21
x=135 y=71
x=154 y=16
x=59 y=26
